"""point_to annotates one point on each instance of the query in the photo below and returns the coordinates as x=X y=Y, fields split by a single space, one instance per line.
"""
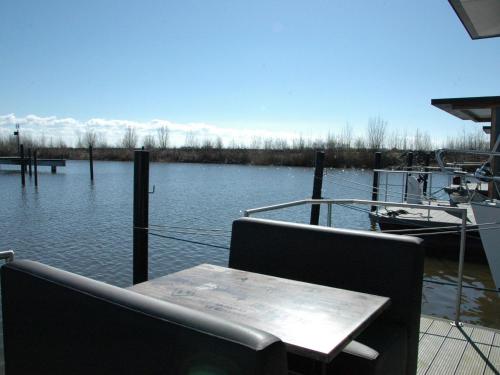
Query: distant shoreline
x=334 y=158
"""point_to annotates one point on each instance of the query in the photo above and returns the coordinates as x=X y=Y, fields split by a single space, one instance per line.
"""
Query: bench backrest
x=56 y=322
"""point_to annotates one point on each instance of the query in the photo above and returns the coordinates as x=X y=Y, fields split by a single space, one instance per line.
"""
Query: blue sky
x=287 y=67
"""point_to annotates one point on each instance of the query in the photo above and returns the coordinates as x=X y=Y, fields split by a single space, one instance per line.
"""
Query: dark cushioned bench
x=56 y=322
x=369 y=262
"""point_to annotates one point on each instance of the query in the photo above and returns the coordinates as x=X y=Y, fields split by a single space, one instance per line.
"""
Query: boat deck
x=440 y=229
x=469 y=350
x=421 y=217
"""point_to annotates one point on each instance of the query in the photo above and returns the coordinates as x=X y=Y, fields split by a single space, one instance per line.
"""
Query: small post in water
x=141 y=213
x=378 y=158
x=91 y=162
x=317 y=185
x=35 y=165
x=29 y=162
x=23 y=177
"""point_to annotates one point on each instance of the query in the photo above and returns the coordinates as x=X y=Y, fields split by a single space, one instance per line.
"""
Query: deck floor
x=444 y=349
x=427 y=218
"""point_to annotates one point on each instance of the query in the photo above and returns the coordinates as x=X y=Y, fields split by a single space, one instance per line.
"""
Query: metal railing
x=384 y=186
x=461 y=212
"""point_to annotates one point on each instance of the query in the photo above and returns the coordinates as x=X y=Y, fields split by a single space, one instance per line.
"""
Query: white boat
x=487 y=215
x=441 y=228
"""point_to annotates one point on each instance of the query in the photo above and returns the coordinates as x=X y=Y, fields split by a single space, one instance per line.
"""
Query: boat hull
x=436 y=245
x=488 y=217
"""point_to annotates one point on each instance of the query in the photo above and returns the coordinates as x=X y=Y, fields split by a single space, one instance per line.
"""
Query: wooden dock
x=469 y=350
x=16 y=160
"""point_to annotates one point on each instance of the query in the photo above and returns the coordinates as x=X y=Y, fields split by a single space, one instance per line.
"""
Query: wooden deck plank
x=439 y=327
x=456 y=333
x=496 y=340
x=448 y=357
x=482 y=336
x=472 y=363
x=425 y=323
x=444 y=349
x=427 y=350
x=494 y=359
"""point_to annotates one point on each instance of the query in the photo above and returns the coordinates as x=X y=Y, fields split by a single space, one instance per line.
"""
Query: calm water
x=87 y=228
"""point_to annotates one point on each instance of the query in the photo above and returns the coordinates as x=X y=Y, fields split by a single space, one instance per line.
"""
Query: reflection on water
x=86 y=228
x=478 y=306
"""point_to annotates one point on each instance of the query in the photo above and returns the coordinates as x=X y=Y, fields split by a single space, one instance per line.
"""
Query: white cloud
x=112 y=130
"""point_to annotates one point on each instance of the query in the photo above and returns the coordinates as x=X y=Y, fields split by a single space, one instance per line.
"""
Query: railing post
x=460 y=268
x=409 y=164
x=426 y=177
x=91 y=162
x=35 y=165
x=378 y=157
x=141 y=215
x=317 y=185
x=329 y=217
x=386 y=185
x=495 y=161
x=23 y=177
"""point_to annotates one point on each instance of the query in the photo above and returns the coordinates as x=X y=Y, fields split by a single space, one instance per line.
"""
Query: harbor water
x=86 y=228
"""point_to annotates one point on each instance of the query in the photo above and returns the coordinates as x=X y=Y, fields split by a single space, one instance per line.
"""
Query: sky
x=236 y=69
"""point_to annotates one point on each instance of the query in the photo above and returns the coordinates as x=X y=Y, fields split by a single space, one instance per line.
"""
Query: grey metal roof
x=481 y=18
x=477 y=109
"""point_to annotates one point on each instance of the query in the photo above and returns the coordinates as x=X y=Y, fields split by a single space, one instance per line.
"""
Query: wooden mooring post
x=29 y=162
x=378 y=159
x=91 y=163
x=141 y=216
x=35 y=167
x=23 y=175
x=317 y=185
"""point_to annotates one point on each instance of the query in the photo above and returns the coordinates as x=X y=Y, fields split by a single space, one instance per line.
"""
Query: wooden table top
x=312 y=320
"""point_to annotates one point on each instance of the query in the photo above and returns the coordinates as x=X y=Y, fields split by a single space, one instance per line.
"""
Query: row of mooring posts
x=30 y=163
x=141 y=209
x=141 y=203
x=318 y=183
x=377 y=165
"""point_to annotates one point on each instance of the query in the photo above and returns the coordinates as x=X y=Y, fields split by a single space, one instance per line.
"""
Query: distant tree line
x=344 y=147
